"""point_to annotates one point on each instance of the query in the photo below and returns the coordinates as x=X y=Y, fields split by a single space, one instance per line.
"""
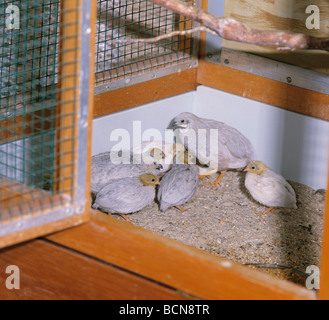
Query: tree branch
x=161 y=37
x=231 y=29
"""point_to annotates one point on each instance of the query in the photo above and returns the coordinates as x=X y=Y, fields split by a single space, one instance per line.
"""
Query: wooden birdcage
x=103 y=257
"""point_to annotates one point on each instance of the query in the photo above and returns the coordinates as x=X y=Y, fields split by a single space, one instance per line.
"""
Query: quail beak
x=246 y=169
x=159 y=167
x=181 y=125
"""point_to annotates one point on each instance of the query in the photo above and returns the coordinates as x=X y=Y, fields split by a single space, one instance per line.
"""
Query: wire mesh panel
x=42 y=110
x=119 y=63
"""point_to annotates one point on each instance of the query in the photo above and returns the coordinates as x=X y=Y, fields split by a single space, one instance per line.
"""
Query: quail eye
x=253 y=167
x=182 y=121
x=153 y=180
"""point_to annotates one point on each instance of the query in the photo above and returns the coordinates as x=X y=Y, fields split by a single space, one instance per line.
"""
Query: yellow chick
x=157 y=151
x=177 y=150
x=185 y=156
x=268 y=187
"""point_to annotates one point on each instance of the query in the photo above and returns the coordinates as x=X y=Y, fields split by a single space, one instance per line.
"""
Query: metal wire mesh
x=131 y=19
x=39 y=60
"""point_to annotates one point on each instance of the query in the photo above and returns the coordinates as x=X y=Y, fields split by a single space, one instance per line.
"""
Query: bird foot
x=201 y=177
x=125 y=217
x=181 y=209
x=265 y=212
x=213 y=184
x=217 y=181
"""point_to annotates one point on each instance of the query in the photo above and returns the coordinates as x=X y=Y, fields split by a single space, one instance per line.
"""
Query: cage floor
x=283 y=242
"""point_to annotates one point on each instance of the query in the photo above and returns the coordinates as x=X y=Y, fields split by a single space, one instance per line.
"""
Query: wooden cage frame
x=44 y=221
x=122 y=261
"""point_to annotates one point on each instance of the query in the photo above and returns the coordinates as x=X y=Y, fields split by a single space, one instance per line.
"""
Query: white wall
x=293 y=145
x=153 y=115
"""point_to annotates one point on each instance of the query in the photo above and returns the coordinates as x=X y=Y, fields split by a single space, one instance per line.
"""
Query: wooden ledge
x=29 y=210
x=265 y=90
x=49 y=271
x=149 y=91
x=172 y=263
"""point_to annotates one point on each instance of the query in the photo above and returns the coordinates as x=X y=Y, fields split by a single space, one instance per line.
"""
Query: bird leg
x=217 y=181
x=181 y=209
x=201 y=177
x=125 y=217
x=265 y=212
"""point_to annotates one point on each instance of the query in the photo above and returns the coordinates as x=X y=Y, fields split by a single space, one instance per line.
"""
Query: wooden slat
x=185 y=42
x=324 y=271
x=265 y=90
x=48 y=271
x=91 y=90
x=149 y=91
x=41 y=230
x=173 y=263
x=68 y=84
x=278 y=71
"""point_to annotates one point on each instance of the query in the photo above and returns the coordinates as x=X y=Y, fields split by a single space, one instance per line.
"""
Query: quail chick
x=178 y=186
x=103 y=170
x=215 y=144
x=157 y=151
x=127 y=195
x=186 y=157
x=268 y=187
x=177 y=150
